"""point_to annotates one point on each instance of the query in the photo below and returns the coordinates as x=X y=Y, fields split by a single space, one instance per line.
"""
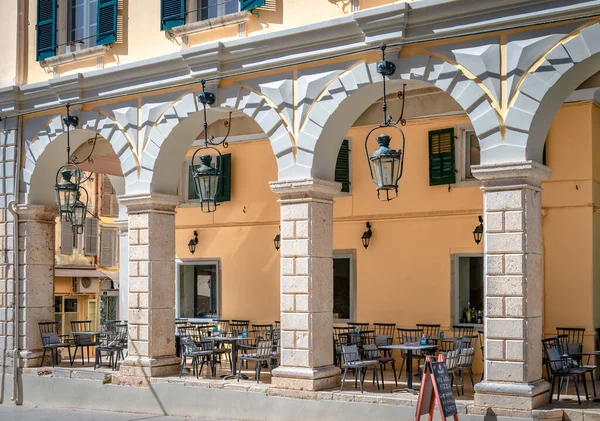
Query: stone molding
x=144 y=203
x=208 y=24
x=66 y=58
x=36 y=213
x=511 y=175
x=307 y=189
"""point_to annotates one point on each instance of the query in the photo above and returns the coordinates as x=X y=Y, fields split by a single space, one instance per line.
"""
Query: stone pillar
x=306 y=285
x=36 y=277
x=123 y=268
x=513 y=382
x=151 y=293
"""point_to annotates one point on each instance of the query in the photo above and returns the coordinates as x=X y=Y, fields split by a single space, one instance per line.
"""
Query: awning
x=87 y=273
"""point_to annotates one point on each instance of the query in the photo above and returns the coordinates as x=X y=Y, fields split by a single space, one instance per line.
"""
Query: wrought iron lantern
x=277 y=241
x=193 y=242
x=366 y=237
x=386 y=164
x=79 y=211
x=207 y=179
x=68 y=182
x=478 y=231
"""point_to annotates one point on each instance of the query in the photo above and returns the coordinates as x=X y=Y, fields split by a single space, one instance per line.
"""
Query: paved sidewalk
x=11 y=412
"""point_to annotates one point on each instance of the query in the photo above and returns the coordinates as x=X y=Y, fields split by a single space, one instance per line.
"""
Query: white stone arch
x=175 y=131
x=45 y=152
x=350 y=94
x=544 y=89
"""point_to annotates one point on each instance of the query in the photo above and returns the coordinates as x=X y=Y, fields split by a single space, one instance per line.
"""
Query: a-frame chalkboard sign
x=436 y=387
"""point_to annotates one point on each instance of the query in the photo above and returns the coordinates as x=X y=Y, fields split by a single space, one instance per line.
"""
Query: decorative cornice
x=36 y=213
x=307 y=189
x=213 y=23
x=511 y=174
x=85 y=54
x=144 y=203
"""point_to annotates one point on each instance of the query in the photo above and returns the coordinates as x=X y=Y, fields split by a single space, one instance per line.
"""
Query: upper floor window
x=83 y=22
x=224 y=191
x=179 y=12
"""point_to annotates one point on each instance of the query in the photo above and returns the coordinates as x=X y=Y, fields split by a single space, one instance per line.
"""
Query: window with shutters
x=342 y=166
x=441 y=157
x=90 y=235
x=66 y=238
x=109 y=205
x=224 y=194
x=83 y=22
x=46 y=29
x=108 y=247
x=467 y=154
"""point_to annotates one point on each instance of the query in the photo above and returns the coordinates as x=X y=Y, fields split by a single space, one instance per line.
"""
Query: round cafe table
x=409 y=348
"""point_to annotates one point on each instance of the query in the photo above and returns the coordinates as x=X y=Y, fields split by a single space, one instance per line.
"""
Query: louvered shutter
x=172 y=13
x=224 y=191
x=90 y=232
x=108 y=248
x=46 y=29
x=251 y=4
x=342 y=166
x=109 y=205
x=120 y=22
x=107 y=22
x=66 y=238
x=441 y=157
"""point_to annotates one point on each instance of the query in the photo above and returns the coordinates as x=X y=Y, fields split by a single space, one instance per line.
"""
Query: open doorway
x=197 y=290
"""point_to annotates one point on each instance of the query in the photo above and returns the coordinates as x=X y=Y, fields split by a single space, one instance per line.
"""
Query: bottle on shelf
x=469 y=315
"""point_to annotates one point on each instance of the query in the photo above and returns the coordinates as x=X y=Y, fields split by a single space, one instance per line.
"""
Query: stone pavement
x=11 y=412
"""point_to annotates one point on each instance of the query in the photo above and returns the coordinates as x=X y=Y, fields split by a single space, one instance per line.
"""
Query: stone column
x=36 y=277
x=513 y=382
x=306 y=285
x=123 y=268
x=151 y=293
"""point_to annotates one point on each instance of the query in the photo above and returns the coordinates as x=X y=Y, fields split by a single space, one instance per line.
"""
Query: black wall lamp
x=193 y=242
x=366 y=237
x=277 y=240
x=478 y=231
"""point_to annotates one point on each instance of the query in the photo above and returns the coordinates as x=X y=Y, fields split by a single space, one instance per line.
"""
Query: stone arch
x=174 y=133
x=349 y=95
x=45 y=153
x=544 y=89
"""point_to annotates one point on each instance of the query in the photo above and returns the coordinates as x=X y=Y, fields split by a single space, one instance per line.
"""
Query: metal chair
x=452 y=358
x=189 y=349
x=111 y=343
x=263 y=354
x=574 y=335
x=82 y=338
x=575 y=352
x=340 y=337
x=383 y=330
x=460 y=331
x=52 y=341
x=407 y=336
x=371 y=352
x=431 y=331
x=560 y=367
x=351 y=360
x=360 y=326
x=465 y=359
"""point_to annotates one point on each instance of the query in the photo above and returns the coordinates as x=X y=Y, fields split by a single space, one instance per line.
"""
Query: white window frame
x=195 y=16
x=348 y=254
x=460 y=146
x=197 y=262
x=88 y=36
x=454 y=307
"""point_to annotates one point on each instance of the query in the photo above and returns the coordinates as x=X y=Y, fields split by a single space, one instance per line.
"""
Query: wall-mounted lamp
x=277 y=240
x=193 y=242
x=366 y=237
x=478 y=231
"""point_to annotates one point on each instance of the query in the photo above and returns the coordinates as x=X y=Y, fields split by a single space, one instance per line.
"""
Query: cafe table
x=409 y=348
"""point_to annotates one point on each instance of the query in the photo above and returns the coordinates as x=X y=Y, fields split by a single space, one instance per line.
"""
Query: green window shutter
x=441 y=157
x=107 y=22
x=251 y=4
x=172 y=13
x=46 y=29
x=342 y=166
x=224 y=193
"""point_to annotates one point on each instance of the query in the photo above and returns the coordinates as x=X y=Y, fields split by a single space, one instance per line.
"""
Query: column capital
x=150 y=202
x=29 y=212
x=305 y=189
x=123 y=224
x=511 y=175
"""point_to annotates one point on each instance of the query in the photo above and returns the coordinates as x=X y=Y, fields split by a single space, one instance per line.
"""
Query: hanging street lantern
x=386 y=164
x=79 y=211
x=366 y=237
x=478 y=231
x=68 y=183
x=207 y=179
x=193 y=242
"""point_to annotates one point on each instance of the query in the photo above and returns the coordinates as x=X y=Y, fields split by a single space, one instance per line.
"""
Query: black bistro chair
x=371 y=352
x=351 y=360
x=263 y=354
x=82 y=338
x=561 y=367
x=52 y=341
x=111 y=343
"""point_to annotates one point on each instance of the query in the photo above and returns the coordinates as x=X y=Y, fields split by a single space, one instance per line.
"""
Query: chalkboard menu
x=444 y=388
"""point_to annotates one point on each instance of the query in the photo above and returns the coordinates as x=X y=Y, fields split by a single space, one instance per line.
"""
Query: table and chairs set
x=235 y=342
x=361 y=348
x=110 y=341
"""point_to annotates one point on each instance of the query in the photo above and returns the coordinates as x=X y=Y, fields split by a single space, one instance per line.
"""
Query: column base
x=302 y=378
x=135 y=371
x=33 y=358
x=510 y=399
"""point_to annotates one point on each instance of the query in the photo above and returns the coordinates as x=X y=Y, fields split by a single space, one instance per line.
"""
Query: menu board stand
x=436 y=387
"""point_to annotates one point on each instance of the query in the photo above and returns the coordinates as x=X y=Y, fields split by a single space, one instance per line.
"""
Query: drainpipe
x=16 y=289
